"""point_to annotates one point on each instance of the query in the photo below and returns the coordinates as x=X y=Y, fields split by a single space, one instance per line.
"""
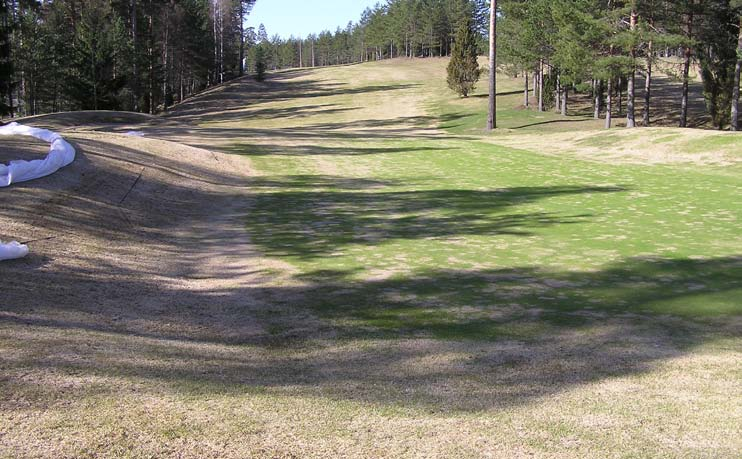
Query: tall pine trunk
x=687 y=53
x=540 y=85
x=609 y=104
x=597 y=90
x=492 y=116
x=135 y=59
x=242 y=37
x=180 y=78
x=648 y=86
x=565 y=90
x=151 y=61
x=216 y=42
x=221 y=44
x=165 y=69
x=735 y=89
x=631 y=93
x=526 y=91
x=630 y=116
x=684 y=99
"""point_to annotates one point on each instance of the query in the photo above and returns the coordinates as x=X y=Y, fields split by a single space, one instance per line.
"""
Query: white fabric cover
x=12 y=250
x=60 y=154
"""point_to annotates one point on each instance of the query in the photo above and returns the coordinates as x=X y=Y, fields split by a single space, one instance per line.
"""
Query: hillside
x=339 y=262
x=129 y=215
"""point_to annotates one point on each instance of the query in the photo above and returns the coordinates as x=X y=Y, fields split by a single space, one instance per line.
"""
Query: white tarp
x=60 y=154
x=12 y=250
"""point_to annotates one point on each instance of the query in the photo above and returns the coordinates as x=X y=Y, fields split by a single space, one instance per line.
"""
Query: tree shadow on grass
x=213 y=136
x=309 y=149
x=247 y=112
x=453 y=341
x=541 y=123
x=215 y=105
x=522 y=303
x=308 y=224
x=434 y=340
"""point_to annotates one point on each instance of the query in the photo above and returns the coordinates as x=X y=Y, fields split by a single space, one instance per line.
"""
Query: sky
x=303 y=17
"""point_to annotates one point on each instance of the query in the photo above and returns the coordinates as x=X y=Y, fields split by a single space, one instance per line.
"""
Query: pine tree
x=260 y=64
x=734 y=122
x=463 y=70
x=93 y=82
x=262 y=34
x=6 y=64
x=492 y=103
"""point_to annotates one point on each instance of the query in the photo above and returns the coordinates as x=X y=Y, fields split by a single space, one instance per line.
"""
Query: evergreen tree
x=147 y=54
x=717 y=31
x=734 y=121
x=492 y=77
x=6 y=64
x=262 y=34
x=260 y=63
x=93 y=80
x=463 y=70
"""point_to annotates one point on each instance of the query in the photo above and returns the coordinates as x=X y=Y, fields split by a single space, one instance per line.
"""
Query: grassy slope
x=405 y=232
x=448 y=296
x=395 y=206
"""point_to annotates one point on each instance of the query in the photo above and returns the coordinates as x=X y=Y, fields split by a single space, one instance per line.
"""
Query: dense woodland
x=608 y=47
x=140 y=55
x=145 y=55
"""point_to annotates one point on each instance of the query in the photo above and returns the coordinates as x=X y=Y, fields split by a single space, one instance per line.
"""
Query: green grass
x=728 y=141
x=434 y=236
x=614 y=238
x=406 y=234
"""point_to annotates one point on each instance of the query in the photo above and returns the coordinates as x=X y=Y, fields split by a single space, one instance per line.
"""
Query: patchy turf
x=407 y=286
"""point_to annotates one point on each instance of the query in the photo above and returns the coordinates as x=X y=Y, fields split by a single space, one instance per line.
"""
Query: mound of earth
x=129 y=213
x=88 y=117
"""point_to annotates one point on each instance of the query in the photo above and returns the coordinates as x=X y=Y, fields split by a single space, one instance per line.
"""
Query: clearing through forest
x=340 y=263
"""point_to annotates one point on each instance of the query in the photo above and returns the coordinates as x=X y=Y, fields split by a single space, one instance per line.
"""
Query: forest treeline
x=145 y=55
x=396 y=28
x=608 y=48
x=137 y=55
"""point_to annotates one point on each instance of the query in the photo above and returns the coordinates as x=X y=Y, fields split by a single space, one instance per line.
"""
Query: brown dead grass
x=644 y=146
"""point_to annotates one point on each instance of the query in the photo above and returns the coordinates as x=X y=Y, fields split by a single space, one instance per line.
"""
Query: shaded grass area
x=529 y=304
x=515 y=335
x=361 y=218
x=474 y=207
